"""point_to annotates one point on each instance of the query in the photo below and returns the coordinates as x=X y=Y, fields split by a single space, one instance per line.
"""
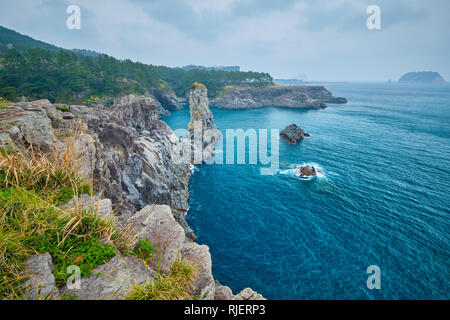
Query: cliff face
x=129 y=153
x=302 y=97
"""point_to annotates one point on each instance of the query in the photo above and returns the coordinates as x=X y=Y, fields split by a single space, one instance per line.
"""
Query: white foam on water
x=296 y=173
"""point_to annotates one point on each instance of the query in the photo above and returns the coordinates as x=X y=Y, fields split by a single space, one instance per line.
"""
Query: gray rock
x=41 y=102
x=223 y=292
x=37 y=130
x=112 y=280
x=68 y=116
x=293 y=134
x=199 y=256
x=53 y=113
x=104 y=208
x=157 y=224
x=41 y=284
x=248 y=294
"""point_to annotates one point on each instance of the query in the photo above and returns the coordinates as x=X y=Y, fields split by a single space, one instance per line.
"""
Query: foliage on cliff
x=38 y=70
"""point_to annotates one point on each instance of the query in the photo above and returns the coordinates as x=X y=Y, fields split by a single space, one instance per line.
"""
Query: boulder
x=112 y=280
x=157 y=224
x=199 y=256
x=37 y=130
x=41 y=282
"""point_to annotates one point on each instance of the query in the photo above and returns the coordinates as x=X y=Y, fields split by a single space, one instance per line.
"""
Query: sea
x=373 y=224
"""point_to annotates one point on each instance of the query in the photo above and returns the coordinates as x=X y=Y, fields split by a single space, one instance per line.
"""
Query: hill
x=422 y=77
x=38 y=70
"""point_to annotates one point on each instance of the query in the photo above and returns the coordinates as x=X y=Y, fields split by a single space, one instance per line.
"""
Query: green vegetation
x=63 y=109
x=38 y=70
x=144 y=250
x=31 y=223
x=174 y=285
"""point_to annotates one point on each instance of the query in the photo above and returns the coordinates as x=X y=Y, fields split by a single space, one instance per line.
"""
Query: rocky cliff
x=129 y=154
x=301 y=97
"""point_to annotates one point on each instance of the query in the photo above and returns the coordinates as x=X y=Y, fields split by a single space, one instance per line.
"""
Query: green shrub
x=144 y=250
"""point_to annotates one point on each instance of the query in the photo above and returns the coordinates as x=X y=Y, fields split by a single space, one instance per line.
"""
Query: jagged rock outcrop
x=293 y=134
x=126 y=149
x=41 y=282
x=199 y=108
x=300 y=97
x=198 y=255
x=168 y=100
x=131 y=157
x=202 y=133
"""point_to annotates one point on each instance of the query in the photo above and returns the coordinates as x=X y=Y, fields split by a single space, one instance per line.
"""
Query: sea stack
x=199 y=108
x=293 y=134
x=202 y=132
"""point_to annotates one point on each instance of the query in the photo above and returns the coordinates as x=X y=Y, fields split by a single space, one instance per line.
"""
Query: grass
x=174 y=285
x=63 y=109
x=144 y=250
x=31 y=188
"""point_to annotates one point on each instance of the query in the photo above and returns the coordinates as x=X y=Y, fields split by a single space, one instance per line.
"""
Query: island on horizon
x=422 y=77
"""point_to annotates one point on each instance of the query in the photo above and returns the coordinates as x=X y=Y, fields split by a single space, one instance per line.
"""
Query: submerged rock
x=293 y=133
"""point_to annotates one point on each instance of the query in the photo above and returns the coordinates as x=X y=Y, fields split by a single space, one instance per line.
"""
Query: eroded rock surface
x=248 y=294
x=200 y=258
x=112 y=280
x=41 y=282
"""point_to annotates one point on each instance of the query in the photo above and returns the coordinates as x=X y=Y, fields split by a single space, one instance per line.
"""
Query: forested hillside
x=38 y=70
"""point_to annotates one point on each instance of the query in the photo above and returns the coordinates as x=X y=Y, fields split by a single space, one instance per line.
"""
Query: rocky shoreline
x=129 y=155
x=297 y=97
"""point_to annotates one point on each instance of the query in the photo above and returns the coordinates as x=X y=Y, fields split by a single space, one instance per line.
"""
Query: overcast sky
x=324 y=39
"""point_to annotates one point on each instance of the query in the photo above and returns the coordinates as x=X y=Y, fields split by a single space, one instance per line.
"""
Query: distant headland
x=422 y=77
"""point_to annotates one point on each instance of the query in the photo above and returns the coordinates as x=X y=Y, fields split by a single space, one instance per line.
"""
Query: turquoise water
x=383 y=199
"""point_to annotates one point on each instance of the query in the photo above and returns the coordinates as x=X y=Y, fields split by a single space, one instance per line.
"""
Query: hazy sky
x=324 y=39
